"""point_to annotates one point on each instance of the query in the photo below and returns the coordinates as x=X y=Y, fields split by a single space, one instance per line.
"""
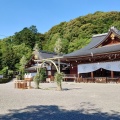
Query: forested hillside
x=74 y=34
x=77 y=33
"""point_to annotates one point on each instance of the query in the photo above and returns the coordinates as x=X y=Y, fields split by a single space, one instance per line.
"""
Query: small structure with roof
x=36 y=61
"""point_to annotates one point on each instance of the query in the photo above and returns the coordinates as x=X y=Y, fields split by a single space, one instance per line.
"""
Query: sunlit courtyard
x=77 y=101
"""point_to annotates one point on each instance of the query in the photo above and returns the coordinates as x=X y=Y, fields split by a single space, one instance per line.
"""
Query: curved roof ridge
x=99 y=35
x=114 y=28
x=43 y=51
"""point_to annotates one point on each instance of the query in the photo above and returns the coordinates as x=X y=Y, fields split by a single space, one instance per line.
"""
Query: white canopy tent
x=112 y=66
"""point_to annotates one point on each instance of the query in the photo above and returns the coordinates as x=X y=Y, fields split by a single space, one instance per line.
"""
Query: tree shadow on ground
x=63 y=89
x=53 y=112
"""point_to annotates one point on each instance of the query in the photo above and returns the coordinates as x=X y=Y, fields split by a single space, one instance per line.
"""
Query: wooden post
x=112 y=74
x=78 y=75
x=92 y=75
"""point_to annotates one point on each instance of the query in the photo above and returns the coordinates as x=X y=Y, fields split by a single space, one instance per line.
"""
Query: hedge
x=5 y=80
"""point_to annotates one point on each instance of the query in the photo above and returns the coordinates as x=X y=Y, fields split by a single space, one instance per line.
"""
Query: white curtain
x=112 y=66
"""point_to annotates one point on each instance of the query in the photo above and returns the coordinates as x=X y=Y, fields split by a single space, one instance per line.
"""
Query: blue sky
x=44 y=14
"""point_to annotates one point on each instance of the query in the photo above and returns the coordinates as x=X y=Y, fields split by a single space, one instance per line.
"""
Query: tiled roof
x=45 y=54
x=96 y=40
x=104 y=49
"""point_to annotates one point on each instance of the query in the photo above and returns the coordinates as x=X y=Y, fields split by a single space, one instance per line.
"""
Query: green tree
x=33 y=28
x=8 y=56
x=58 y=46
x=23 y=62
x=20 y=51
x=26 y=36
x=58 y=75
x=36 y=47
x=65 y=44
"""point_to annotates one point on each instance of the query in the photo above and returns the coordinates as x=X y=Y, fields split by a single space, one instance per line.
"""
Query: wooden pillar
x=92 y=75
x=112 y=74
x=78 y=75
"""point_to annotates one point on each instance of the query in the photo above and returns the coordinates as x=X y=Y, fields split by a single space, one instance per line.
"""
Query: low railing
x=98 y=79
x=108 y=80
x=68 y=77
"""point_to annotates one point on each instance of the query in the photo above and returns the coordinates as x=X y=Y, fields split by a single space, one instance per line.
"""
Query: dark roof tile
x=96 y=40
x=105 y=49
x=45 y=54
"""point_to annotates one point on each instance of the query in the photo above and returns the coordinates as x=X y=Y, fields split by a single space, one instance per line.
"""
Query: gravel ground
x=77 y=101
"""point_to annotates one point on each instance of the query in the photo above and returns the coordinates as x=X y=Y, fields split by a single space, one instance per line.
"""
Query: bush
x=19 y=77
x=5 y=72
x=5 y=80
x=10 y=73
